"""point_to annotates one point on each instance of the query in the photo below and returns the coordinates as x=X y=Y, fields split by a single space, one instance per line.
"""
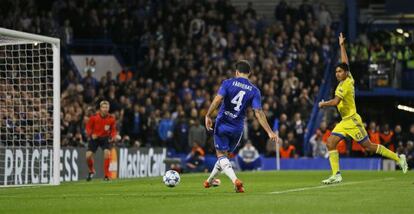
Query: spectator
x=151 y=129
x=181 y=134
x=165 y=130
x=127 y=143
x=287 y=150
x=401 y=149
x=257 y=136
x=386 y=136
x=410 y=154
x=357 y=150
x=67 y=32
x=342 y=148
x=281 y=10
x=305 y=9
x=292 y=140
x=249 y=11
x=299 y=131
x=398 y=137
x=374 y=133
x=282 y=121
x=125 y=75
x=324 y=16
x=197 y=27
x=410 y=136
x=198 y=133
x=248 y=157
x=325 y=132
x=131 y=121
x=195 y=159
x=89 y=80
x=318 y=147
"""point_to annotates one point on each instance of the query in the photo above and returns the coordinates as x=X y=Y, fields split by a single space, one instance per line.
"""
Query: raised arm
x=344 y=59
x=216 y=102
x=344 y=56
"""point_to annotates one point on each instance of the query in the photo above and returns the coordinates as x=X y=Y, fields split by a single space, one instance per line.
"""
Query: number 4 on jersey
x=237 y=100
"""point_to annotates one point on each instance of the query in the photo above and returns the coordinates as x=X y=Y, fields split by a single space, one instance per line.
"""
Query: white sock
x=216 y=170
x=227 y=168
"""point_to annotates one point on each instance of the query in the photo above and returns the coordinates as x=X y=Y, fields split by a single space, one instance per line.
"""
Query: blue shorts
x=226 y=138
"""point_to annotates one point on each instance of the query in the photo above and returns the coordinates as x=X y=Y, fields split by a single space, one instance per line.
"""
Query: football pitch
x=266 y=192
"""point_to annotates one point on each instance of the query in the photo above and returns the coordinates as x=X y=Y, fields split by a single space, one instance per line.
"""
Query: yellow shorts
x=351 y=127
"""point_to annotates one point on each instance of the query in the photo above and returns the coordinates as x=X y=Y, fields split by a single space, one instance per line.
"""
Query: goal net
x=29 y=109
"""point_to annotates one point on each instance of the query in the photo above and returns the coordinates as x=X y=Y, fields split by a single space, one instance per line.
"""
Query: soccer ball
x=171 y=178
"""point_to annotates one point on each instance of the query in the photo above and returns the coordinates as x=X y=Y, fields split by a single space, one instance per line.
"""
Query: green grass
x=361 y=192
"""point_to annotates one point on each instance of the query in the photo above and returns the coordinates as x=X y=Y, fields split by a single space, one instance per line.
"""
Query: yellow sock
x=334 y=160
x=381 y=150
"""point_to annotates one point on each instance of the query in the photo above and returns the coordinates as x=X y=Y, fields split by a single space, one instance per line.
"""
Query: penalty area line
x=328 y=186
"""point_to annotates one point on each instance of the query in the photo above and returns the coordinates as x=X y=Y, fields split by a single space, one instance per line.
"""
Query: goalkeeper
x=101 y=131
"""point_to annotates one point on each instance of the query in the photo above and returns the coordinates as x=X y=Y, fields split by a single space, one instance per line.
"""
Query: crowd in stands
x=187 y=48
x=384 y=49
x=379 y=46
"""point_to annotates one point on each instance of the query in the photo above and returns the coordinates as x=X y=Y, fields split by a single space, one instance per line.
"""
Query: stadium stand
x=181 y=54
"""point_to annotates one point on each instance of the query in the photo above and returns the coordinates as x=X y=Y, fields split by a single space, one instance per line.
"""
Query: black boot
x=90 y=176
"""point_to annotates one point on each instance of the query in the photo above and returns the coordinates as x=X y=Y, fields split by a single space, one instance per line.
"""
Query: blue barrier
x=323 y=164
x=269 y=163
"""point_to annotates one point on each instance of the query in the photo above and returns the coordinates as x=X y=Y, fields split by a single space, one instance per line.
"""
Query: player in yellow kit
x=351 y=124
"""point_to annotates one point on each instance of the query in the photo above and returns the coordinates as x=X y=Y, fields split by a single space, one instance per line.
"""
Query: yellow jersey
x=346 y=91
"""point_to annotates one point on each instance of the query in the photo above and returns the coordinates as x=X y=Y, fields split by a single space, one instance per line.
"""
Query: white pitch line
x=327 y=186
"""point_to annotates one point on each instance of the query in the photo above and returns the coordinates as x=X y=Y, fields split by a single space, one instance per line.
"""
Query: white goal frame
x=28 y=38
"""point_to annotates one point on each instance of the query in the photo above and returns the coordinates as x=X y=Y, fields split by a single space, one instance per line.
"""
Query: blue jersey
x=238 y=94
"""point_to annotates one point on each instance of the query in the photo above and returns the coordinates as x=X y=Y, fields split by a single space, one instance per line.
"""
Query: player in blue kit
x=236 y=95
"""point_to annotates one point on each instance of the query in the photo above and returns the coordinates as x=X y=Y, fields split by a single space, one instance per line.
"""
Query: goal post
x=29 y=109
